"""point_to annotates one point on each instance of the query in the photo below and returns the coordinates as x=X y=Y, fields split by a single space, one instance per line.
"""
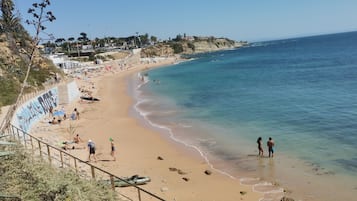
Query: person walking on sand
x=271 y=144
x=260 y=146
x=91 y=147
x=112 y=145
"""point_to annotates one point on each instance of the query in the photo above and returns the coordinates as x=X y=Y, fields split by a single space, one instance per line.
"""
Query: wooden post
x=61 y=158
x=112 y=182
x=139 y=196
x=93 y=173
x=24 y=136
x=18 y=135
x=49 y=153
x=33 y=150
x=75 y=165
x=39 y=147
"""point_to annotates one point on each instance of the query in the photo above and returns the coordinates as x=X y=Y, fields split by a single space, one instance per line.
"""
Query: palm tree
x=9 y=21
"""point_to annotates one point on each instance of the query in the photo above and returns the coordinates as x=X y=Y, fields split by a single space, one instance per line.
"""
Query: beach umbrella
x=58 y=113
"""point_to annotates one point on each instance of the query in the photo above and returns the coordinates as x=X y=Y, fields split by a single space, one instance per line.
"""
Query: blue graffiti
x=35 y=109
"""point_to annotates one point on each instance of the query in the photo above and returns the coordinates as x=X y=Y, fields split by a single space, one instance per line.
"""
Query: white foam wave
x=185 y=125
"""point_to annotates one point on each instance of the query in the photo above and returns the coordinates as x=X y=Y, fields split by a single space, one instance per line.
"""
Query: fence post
x=93 y=173
x=61 y=158
x=18 y=135
x=24 y=136
x=33 y=149
x=139 y=196
x=112 y=182
x=49 y=154
x=39 y=147
x=75 y=165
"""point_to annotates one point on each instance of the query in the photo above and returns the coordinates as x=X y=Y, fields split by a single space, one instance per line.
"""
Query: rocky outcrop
x=190 y=46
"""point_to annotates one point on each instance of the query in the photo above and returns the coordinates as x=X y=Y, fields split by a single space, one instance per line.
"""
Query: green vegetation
x=177 y=47
x=27 y=179
x=16 y=46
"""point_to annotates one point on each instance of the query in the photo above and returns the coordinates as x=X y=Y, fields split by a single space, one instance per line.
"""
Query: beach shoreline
x=175 y=175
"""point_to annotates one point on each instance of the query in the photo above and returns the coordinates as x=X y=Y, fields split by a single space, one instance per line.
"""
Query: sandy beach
x=180 y=175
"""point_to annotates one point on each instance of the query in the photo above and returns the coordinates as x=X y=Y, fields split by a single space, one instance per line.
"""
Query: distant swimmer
x=260 y=146
x=271 y=144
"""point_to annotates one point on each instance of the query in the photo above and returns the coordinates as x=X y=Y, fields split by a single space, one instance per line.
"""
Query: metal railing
x=61 y=158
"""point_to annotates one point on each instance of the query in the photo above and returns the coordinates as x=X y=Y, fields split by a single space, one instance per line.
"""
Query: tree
x=59 y=41
x=144 y=39
x=9 y=21
x=83 y=38
x=40 y=16
x=153 y=39
x=178 y=38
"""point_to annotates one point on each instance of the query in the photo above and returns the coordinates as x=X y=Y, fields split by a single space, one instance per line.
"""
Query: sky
x=248 y=20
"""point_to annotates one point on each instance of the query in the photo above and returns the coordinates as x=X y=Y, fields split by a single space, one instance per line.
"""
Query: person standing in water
x=271 y=144
x=260 y=146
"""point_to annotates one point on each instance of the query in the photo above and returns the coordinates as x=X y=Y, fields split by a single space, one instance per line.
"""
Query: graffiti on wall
x=35 y=109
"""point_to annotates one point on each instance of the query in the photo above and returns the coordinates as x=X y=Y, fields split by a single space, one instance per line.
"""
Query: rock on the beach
x=172 y=169
x=243 y=192
x=160 y=158
x=286 y=199
x=208 y=172
x=163 y=189
x=181 y=172
x=185 y=178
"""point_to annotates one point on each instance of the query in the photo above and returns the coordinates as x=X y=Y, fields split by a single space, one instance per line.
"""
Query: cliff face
x=191 y=46
x=210 y=45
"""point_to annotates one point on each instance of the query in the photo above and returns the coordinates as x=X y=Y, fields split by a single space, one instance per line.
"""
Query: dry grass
x=27 y=179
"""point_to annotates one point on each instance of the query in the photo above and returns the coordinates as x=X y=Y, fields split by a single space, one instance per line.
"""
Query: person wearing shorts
x=271 y=144
x=91 y=147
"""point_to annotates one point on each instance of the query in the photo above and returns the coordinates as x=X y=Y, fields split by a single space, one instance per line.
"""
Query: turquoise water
x=301 y=92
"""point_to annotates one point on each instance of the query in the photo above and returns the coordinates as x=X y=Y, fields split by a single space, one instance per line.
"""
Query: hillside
x=14 y=60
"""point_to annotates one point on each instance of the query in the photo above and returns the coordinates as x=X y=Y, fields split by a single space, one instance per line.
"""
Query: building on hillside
x=62 y=61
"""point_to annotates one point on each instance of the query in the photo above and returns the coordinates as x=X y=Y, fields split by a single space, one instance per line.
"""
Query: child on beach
x=77 y=139
x=271 y=144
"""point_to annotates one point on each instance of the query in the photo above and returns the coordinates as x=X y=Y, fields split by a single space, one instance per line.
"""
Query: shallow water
x=302 y=92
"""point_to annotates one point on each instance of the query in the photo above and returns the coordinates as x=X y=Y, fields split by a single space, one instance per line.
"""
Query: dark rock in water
x=172 y=169
x=208 y=172
x=286 y=199
x=185 y=178
x=243 y=192
x=160 y=158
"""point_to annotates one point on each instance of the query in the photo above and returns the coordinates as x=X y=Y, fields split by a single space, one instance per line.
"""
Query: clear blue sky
x=252 y=20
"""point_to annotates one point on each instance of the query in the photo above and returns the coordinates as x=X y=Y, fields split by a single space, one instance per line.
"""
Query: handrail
x=10 y=129
x=15 y=132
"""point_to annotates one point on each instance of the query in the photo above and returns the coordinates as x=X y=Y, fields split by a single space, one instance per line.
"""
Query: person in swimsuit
x=271 y=144
x=260 y=147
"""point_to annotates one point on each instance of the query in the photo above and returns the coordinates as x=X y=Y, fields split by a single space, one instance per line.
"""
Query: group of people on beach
x=270 y=144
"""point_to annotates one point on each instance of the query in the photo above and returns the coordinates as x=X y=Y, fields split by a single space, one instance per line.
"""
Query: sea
x=301 y=92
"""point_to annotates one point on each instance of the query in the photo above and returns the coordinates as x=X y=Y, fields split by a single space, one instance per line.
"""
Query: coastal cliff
x=190 y=45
